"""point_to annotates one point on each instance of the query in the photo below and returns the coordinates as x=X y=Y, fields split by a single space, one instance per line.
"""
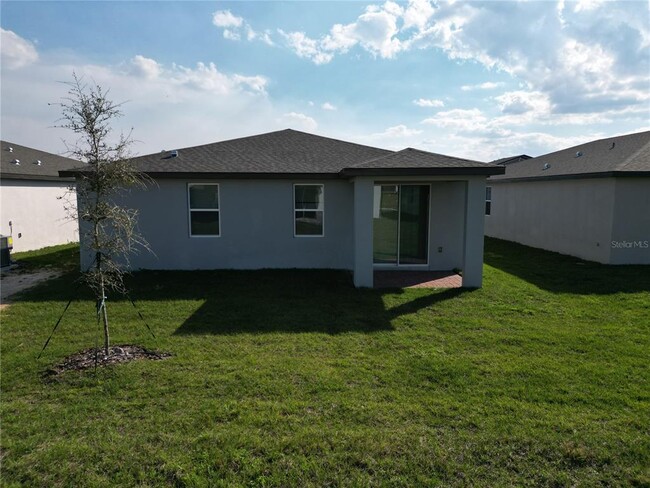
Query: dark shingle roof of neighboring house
x=627 y=155
x=291 y=153
x=28 y=167
x=511 y=159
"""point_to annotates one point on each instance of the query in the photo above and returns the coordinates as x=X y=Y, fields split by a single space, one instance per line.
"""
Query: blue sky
x=480 y=80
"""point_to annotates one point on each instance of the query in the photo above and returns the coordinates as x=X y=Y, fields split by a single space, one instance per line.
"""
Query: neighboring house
x=289 y=199
x=33 y=197
x=511 y=159
x=591 y=201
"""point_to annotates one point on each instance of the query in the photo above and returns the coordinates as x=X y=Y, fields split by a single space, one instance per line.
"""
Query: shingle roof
x=511 y=159
x=626 y=155
x=28 y=167
x=285 y=151
x=292 y=153
x=415 y=160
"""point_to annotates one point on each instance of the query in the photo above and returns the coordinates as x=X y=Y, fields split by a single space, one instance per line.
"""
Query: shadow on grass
x=286 y=301
x=256 y=302
x=267 y=301
x=426 y=301
x=564 y=274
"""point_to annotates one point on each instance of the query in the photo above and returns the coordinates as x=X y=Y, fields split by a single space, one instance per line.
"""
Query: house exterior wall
x=572 y=216
x=474 y=234
x=446 y=231
x=631 y=227
x=37 y=214
x=257 y=227
x=363 y=232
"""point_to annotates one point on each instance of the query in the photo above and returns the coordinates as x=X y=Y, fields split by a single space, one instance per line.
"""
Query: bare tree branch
x=107 y=230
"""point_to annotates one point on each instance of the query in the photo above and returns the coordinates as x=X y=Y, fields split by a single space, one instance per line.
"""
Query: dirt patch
x=16 y=280
x=117 y=354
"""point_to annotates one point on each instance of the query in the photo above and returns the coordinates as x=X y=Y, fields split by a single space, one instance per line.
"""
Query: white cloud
x=490 y=147
x=265 y=37
x=588 y=58
x=16 y=51
x=396 y=137
x=225 y=18
x=397 y=131
x=298 y=121
x=204 y=77
x=429 y=102
x=586 y=5
x=375 y=31
x=417 y=14
x=328 y=106
x=305 y=47
x=167 y=105
x=521 y=102
x=231 y=35
x=488 y=85
x=461 y=119
x=236 y=28
x=583 y=62
x=146 y=67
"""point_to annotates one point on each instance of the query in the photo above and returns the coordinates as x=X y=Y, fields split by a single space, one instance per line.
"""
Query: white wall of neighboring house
x=572 y=216
x=584 y=217
x=631 y=230
x=37 y=214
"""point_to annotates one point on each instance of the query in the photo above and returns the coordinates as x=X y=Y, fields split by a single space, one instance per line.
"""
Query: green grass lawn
x=64 y=257
x=295 y=378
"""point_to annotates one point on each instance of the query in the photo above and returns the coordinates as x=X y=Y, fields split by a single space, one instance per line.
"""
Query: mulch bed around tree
x=117 y=354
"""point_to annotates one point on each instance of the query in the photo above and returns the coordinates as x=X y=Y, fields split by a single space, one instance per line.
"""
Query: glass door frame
x=397 y=264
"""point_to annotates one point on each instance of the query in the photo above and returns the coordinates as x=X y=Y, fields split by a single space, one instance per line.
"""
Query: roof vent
x=613 y=145
x=173 y=154
x=10 y=149
x=16 y=162
x=578 y=154
x=546 y=166
x=38 y=162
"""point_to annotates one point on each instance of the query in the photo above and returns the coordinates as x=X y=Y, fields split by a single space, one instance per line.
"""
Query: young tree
x=107 y=230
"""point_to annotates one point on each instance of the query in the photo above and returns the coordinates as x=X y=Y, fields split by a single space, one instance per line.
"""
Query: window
x=309 y=210
x=488 y=200
x=203 y=200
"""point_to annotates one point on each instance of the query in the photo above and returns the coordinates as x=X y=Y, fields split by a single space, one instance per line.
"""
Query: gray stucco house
x=33 y=197
x=591 y=201
x=289 y=199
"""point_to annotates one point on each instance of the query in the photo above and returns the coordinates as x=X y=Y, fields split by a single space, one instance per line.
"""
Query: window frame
x=190 y=210
x=488 y=201
x=293 y=205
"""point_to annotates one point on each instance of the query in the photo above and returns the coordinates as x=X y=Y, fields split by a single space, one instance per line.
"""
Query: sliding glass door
x=401 y=224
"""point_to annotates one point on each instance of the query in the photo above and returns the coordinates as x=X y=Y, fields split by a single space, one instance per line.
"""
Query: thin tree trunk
x=105 y=317
x=102 y=303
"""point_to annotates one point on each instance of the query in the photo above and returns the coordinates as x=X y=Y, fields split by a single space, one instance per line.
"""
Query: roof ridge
x=444 y=155
x=428 y=154
x=590 y=143
x=208 y=144
x=266 y=134
x=391 y=153
x=336 y=140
